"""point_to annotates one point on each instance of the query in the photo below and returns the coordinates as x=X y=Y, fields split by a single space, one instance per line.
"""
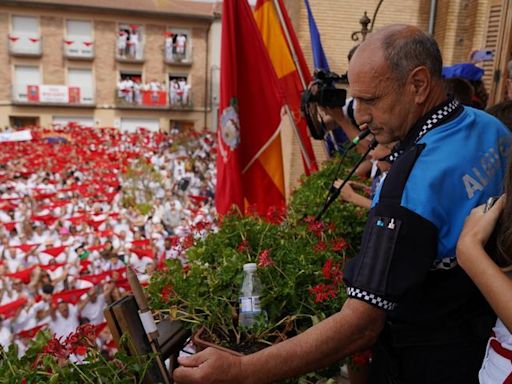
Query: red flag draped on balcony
x=249 y=162
x=293 y=74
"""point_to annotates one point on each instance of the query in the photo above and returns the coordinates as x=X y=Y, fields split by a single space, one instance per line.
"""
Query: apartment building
x=126 y=64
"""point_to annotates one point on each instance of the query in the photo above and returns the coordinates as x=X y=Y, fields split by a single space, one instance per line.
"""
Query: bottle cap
x=250 y=267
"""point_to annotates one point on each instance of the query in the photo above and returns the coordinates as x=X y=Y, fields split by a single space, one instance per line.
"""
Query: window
x=133 y=124
x=23 y=121
x=79 y=29
x=78 y=42
x=81 y=85
x=129 y=87
x=179 y=91
x=26 y=81
x=84 y=121
x=24 y=38
x=25 y=25
x=181 y=126
x=178 y=46
x=130 y=42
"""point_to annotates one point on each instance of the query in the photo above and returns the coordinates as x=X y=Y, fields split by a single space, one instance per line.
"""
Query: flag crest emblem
x=230 y=127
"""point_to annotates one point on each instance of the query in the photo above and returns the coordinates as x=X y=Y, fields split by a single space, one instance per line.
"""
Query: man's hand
x=210 y=366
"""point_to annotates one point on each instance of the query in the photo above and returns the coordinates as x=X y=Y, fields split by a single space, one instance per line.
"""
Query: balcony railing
x=25 y=44
x=128 y=98
x=181 y=100
x=132 y=53
x=78 y=48
x=176 y=58
x=61 y=95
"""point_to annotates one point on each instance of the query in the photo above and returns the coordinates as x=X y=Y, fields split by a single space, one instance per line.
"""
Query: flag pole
x=295 y=59
x=290 y=43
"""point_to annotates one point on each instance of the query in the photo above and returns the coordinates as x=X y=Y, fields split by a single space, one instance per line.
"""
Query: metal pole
x=301 y=76
x=432 y=16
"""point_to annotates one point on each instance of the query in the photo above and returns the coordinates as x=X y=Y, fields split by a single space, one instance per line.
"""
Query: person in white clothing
x=5 y=334
x=181 y=45
x=169 y=45
x=134 y=45
x=91 y=308
x=484 y=251
x=64 y=319
x=122 y=39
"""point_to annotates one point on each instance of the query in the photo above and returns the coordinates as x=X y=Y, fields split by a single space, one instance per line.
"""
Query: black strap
x=394 y=183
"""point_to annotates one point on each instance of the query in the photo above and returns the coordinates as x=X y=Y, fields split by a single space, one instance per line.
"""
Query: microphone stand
x=335 y=192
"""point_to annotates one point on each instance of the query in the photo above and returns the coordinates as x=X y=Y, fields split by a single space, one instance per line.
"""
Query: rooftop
x=192 y=9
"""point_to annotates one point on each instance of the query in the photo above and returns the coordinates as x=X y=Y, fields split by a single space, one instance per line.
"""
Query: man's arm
x=354 y=328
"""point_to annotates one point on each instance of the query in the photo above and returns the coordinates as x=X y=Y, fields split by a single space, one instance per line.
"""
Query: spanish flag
x=249 y=162
x=282 y=46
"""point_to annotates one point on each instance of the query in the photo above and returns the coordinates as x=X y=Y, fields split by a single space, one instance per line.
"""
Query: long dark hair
x=504 y=243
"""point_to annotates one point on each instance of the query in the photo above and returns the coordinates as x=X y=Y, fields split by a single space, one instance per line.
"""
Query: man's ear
x=420 y=83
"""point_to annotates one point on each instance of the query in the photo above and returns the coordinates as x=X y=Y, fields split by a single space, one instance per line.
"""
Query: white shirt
x=62 y=326
x=94 y=311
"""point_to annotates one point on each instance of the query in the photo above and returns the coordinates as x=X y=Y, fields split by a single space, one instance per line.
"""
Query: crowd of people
x=68 y=230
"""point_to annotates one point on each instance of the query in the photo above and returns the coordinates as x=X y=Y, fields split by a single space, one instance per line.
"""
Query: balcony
x=78 y=48
x=131 y=53
x=181 y=100
x=175 y=58
x=59 y=95
x=141 y=99
x=25 y=45
x=147 y=99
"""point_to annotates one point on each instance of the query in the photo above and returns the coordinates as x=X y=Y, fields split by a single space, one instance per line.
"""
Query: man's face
x=388 y=108
x=64 y=310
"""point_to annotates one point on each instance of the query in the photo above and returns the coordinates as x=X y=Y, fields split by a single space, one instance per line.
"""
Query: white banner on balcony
x=53 y=94
x=24 y=135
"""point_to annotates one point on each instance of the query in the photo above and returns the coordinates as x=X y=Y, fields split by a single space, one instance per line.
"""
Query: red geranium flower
x=323 y=292
x=80 y=350
x=320 y=246
x=339 y=244
x=243 y=246
x=264 y=260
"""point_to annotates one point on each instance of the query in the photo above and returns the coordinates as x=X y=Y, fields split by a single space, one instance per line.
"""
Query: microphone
x=334 y=192
x=356 y=140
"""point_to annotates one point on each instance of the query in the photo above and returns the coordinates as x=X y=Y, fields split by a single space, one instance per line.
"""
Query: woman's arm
x=494 y=284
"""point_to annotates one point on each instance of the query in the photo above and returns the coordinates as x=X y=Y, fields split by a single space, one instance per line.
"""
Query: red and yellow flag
x=280 y=47
x=249 y=163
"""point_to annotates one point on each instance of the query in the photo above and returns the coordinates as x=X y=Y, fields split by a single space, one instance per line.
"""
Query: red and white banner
x=53 y=94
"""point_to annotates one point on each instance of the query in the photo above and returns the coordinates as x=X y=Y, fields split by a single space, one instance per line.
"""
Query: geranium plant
x=74 y=359
x=300 y=263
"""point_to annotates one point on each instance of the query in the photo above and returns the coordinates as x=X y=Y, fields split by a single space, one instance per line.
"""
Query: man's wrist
x=246 y=374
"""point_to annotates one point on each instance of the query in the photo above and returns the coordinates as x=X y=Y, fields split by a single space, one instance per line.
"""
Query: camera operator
x=406 y=293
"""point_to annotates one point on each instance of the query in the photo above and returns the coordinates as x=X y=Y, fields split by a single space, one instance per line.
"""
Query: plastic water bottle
x=250 y=307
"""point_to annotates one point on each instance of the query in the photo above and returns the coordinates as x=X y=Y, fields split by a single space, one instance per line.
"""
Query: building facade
x=126 y=64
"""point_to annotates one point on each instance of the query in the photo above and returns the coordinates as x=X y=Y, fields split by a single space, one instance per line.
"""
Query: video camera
x=324 y=93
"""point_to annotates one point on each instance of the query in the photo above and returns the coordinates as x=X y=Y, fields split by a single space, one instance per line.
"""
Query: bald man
x=407 y=296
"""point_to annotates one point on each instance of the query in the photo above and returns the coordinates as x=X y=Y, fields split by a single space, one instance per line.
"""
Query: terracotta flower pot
x=201 y=344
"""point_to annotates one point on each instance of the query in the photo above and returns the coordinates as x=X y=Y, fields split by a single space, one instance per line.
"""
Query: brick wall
x=104 y=63
x=52 y=32
x=5 y=68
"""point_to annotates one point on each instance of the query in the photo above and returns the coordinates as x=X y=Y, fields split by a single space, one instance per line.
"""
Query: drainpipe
x=206 y=81
x=432 y=17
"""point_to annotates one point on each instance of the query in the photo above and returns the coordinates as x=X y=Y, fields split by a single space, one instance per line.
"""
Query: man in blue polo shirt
x=406 y=293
